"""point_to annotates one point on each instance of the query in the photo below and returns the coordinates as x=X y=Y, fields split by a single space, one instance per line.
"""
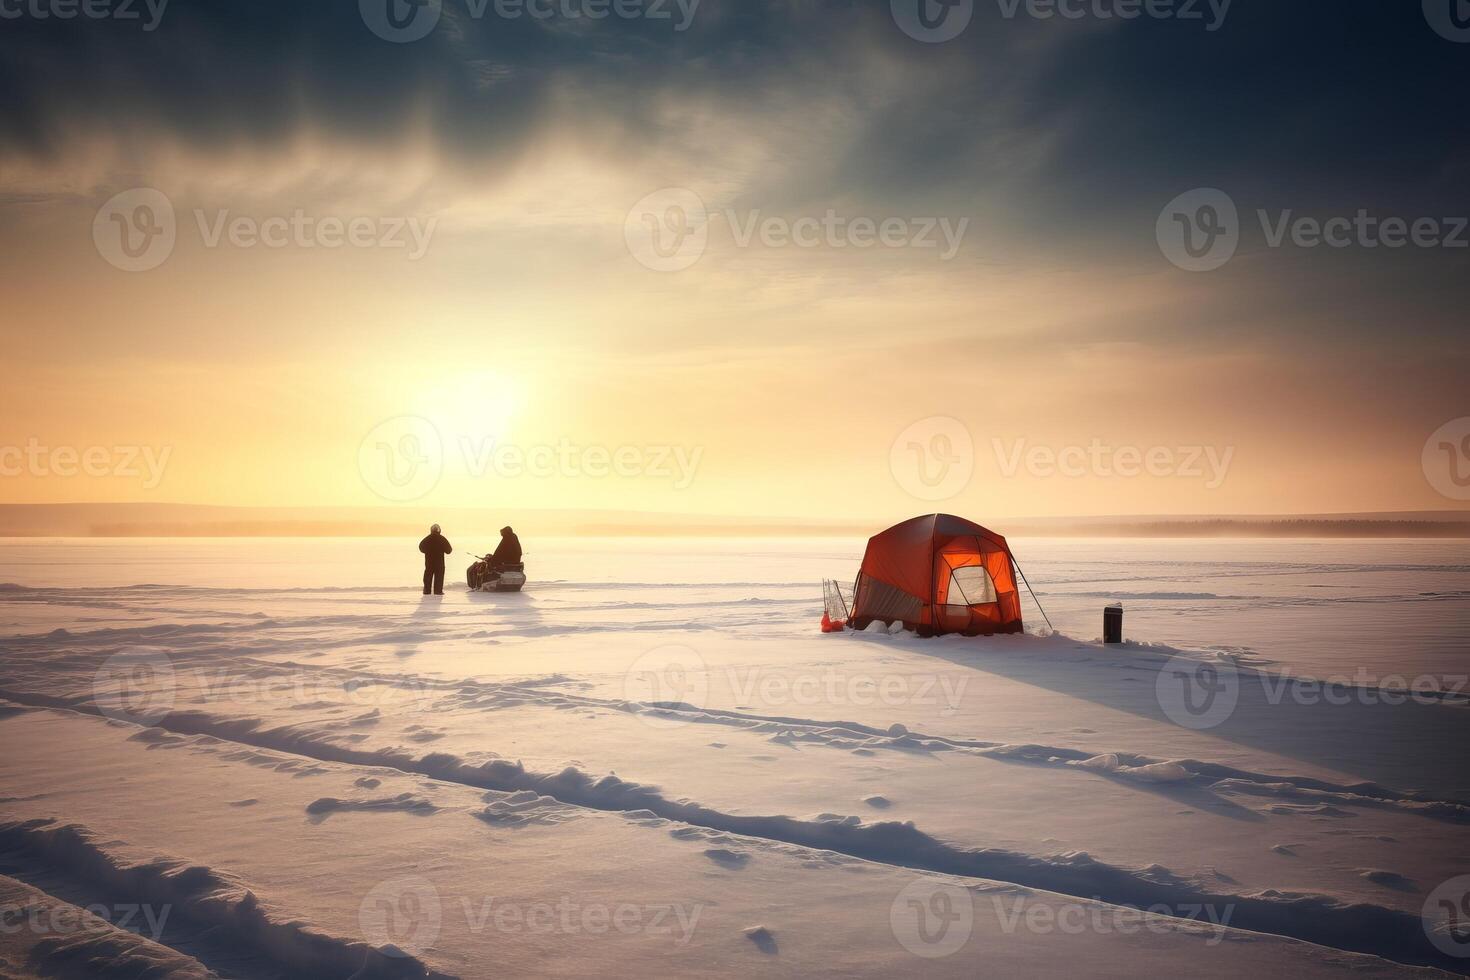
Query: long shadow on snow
x=1409 y=747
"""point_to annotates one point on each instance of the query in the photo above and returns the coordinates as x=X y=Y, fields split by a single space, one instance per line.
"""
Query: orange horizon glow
x=782 y=376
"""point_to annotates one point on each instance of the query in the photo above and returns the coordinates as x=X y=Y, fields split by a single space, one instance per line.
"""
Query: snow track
x=57 y=939
x=1362 y=928
x=206 y=899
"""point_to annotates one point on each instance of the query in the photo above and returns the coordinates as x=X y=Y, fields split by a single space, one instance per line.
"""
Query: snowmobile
x=507 y=578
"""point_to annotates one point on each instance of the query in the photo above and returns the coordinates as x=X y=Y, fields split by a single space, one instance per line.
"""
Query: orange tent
x=938 y=574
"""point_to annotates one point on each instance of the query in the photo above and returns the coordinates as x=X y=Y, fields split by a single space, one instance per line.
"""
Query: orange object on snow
x=829 y=626
x=939 y=574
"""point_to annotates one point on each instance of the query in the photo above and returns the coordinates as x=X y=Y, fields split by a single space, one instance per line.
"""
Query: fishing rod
x=1034 y=597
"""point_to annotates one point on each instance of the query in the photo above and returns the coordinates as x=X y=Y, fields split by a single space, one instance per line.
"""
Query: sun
x=475 y=406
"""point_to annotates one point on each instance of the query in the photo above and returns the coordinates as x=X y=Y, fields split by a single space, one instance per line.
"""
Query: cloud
x=1280 y=95
x=1059 y=139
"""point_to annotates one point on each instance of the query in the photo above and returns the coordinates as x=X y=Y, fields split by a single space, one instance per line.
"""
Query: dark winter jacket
x=509 y=552
x=435 y=547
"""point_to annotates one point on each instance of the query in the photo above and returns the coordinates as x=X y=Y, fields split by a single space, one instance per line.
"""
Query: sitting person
x=508 y=553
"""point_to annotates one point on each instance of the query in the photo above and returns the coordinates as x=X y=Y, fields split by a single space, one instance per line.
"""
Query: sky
x=770 y=258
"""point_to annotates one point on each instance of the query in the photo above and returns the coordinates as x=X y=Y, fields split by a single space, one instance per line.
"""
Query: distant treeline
x=138 y=520
x=250 y=529
x=341 y=529
x=1262 y=529
x=1221 y=528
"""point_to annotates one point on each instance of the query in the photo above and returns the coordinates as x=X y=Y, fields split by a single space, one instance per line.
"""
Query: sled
x=482 y=578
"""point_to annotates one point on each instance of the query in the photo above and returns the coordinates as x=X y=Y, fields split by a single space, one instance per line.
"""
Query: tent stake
x=1033 y=593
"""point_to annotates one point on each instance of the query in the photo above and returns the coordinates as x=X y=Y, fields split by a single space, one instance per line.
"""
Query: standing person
x=509 y=551
x=434 y=548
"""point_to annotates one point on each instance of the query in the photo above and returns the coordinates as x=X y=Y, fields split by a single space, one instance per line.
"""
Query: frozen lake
x=651 y=762
x=1317 y=607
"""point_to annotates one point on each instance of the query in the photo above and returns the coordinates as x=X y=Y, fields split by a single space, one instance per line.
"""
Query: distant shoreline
x=1442 y=530
x=164 y=520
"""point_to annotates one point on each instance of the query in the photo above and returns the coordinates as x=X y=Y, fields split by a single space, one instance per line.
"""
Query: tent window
x=970 y=586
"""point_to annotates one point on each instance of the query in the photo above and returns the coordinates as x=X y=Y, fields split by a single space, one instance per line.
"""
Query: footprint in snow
x=764 y=939
x=1389 y=879
x=325 y=807
x=1309 y=809
x=733 y=860
x=878 y=802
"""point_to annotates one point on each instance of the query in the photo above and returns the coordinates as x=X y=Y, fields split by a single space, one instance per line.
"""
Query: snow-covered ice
x=652 y=761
